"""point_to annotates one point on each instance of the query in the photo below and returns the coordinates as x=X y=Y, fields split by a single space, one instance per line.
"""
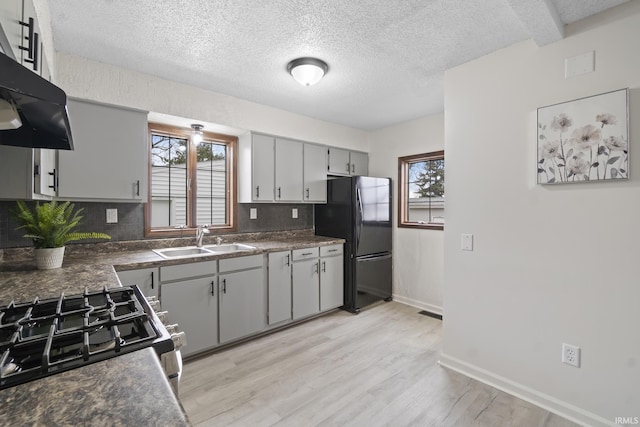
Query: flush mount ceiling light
x=307 y=71
x=197 y=133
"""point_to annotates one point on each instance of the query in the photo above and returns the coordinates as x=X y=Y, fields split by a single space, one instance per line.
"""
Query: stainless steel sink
x=188 y=252
x=229 y=247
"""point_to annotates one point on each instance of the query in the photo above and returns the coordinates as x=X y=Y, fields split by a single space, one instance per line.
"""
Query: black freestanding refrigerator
x=358 y=209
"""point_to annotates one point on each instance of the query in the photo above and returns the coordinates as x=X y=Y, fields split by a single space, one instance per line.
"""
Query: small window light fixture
x=307 y=71
x=197 y=133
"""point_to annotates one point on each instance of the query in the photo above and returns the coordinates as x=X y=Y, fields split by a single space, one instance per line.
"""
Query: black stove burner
x=42 y=338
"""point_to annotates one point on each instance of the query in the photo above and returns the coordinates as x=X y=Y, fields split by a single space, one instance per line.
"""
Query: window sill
x=425 y=226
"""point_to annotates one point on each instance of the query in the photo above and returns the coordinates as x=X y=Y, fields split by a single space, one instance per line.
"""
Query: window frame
x=403 y=174
x=231 y=142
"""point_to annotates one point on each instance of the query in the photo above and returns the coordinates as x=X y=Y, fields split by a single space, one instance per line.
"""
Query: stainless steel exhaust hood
x=41 y=106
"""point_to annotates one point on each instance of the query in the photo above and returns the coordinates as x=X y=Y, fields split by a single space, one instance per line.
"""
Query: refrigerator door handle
x=360 y=218
x=376 y=257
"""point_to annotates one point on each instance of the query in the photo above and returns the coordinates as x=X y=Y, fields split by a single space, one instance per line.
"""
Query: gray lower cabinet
x=305 y=282
x=145 y=278
x=189 y=295
x=279 y=309
x=242 y=297
x=331 y=277
x=193 y=305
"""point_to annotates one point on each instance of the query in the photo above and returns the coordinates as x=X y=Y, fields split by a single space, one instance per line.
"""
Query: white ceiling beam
x=540 y=18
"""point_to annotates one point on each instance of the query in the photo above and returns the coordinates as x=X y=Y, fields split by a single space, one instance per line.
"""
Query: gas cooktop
x=44 y=337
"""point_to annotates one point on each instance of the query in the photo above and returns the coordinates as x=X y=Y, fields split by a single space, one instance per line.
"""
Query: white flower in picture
x=584 y=140
x=606 y=119
x=585 y=137
x=561 y=122
x=616 y=143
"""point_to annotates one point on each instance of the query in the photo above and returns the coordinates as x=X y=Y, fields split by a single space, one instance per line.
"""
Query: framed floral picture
x=584 y=140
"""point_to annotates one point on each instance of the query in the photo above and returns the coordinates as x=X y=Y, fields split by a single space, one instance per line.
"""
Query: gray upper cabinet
x=288 y=177
x=110 y=159
x=345 y=162
x=275 y=169
x=262 y=167
x=339 y=162
x=359 y=163
x=315 y=173
x=10 y=17
x=29 y=174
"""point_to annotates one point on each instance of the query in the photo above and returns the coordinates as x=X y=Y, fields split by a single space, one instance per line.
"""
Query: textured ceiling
x=386 y=57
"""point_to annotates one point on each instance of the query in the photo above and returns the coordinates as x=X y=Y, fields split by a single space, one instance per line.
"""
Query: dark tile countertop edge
x=128 y=390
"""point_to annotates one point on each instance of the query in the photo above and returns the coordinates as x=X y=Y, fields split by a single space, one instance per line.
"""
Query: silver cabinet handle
x=332 y=250
x=213 y=291
x=257 y=191
x=324 y=267
x=348 y=166
x=316 y=267
x=224 y=285
x=353 y=167
x=279 y=193
x=307 y=253
x=288 y=260
x=138 y=188
x=307 y=193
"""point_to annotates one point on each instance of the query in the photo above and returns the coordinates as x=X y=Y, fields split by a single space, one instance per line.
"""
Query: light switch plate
x=112 y=216
x=467 y=242
x=253 y=213
x=294 y=213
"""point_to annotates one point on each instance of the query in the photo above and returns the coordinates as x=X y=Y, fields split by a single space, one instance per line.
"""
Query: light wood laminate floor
x=379 y=368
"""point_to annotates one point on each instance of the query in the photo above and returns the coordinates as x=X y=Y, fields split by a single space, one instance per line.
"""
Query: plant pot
x=49 y=258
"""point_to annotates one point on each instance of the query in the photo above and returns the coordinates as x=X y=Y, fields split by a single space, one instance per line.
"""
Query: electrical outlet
x=571 y=355
x=294 y=213
x=253 y=213
x=112 y=216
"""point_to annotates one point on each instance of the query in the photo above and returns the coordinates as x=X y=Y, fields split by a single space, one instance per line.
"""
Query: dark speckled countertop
x=125 y=390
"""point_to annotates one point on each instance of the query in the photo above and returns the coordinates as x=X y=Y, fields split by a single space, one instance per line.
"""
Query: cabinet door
x=45 y=180
x=193 y=305
x=331 y=283
x=279 y=287
x=10 y=17
x=359 y=163
x=339 y=162
x=315 y=173
x=145 y=278
x=110 y=158
x=263 y=167
x=242 y=304
x=288 y=170
x=306 y=288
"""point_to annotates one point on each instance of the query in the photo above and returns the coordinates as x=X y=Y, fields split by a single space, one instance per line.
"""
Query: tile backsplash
x=130 y=226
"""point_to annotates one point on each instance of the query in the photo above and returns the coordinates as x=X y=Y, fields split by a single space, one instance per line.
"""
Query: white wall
x=551 y=264
x=87 y=79
x=417 y=254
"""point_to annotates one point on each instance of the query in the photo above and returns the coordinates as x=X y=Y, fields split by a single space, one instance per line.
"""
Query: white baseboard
x=418 y=304
x=550 y=403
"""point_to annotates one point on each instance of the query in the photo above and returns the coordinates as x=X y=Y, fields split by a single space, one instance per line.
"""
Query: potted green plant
x=50 y=226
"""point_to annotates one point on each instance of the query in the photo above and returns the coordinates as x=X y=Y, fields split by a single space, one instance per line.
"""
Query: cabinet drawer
x=305 y=253
x=331 y=250
x=184 y=271
x=241 y=263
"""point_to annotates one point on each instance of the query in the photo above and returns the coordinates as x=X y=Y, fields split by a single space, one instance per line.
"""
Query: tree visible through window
x=191 y=184
x=421 y=190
